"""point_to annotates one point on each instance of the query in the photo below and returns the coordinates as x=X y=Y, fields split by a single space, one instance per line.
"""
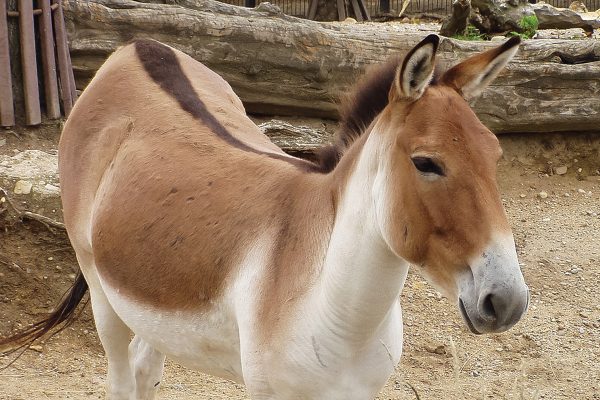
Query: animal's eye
x=427 y=165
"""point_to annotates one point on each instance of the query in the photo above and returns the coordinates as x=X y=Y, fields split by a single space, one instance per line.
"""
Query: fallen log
x=293 y=138
x=280 y=65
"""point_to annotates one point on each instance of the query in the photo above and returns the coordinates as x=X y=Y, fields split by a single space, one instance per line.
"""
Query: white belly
x=206 y=341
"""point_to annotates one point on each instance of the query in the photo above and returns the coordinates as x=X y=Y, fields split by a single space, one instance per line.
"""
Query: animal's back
x=141 y=163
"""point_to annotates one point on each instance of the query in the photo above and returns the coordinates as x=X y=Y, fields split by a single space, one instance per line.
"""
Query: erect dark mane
x=358 y=109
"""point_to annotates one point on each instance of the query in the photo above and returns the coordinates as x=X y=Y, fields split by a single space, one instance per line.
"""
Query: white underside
x=205 y=341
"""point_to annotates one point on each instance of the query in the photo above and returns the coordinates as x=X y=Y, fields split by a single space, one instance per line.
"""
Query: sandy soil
x=552 y=354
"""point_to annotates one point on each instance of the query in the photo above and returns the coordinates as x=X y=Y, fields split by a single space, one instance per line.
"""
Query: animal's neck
x=362 y=278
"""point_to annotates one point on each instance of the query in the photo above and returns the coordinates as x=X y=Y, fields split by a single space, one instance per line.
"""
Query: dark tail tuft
x=59 y=319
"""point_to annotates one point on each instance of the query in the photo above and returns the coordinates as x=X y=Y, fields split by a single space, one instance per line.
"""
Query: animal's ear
x=473 y=75
x=415 y=73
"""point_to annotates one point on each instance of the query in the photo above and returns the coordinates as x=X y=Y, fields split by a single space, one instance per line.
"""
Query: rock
x=441 y=349
x=563 y=18
x=35 y=173
x=495 y=16
x=542 y=195
x=2 y=142
x=23 y=187
x=560 y=170
x=578 y=6
x=36 y=347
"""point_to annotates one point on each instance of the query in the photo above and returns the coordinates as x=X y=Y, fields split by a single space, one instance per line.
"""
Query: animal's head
x=440 y=207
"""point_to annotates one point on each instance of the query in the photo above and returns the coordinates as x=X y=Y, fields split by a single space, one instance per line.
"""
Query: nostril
x=488 y=310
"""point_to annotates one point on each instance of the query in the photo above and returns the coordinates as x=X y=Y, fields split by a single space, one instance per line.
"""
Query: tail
x=60 y=318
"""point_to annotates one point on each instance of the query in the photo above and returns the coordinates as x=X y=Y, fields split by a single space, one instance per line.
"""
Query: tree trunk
x=280 y=65
x=456 y=24
x=500 y=16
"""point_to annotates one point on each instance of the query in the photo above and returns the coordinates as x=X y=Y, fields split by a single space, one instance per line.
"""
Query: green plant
x=529 y=24
x=471 y=33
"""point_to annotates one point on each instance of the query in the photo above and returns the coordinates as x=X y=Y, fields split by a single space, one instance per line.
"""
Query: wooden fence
x=51 y=39
x=300 y=8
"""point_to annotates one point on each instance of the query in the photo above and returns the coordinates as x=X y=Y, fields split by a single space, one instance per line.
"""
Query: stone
x=563 y=18
x=23 y=187
x=542 y=195
x=561 y=170
x=578 y=6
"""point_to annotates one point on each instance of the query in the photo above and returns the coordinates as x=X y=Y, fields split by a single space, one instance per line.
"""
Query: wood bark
x=283 y=65
x=15 y=66
x=456 y=24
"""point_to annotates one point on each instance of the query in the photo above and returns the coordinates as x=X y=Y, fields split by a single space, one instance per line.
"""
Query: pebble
x=22 y=187
x=581 y=330
x=522 y=195
x=542 y=195
x=581 y=191
x=72 y=277
x=560 y=170
x=546 y=219
x=50 y=258
x=36 y=347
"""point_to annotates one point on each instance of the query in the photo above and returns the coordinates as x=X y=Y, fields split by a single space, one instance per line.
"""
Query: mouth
x=465 y=316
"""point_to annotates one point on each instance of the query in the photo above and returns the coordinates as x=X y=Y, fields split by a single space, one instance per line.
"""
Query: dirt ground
x=553 y=353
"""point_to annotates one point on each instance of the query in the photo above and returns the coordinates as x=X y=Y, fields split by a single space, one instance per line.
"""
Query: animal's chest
x=314 y=365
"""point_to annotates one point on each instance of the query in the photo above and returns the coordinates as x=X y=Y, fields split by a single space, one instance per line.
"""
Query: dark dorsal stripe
x=161 y=63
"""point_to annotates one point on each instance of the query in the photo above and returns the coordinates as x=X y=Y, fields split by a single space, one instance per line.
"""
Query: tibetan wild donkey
x=220 y=251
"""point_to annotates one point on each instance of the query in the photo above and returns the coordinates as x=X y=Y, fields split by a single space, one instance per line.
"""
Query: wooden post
x=7 y=113
x=384 y=6
x=48 y=60
x=365 y=10
x=29 y=63
x=64 y=67
x=312 y=9
x=357 y=11
x=72 y=85
x=341 y=6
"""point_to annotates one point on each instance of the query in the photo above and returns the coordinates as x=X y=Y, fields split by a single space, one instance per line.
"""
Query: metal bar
x=71 y=73
x=64 y=66
x=7 y=111
x=384 y=6
x=364 y=9
x=29 y=63
x=357 y=11
x=37 y=11
x=341 y=6
x=48 y=61
x=312 y=9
